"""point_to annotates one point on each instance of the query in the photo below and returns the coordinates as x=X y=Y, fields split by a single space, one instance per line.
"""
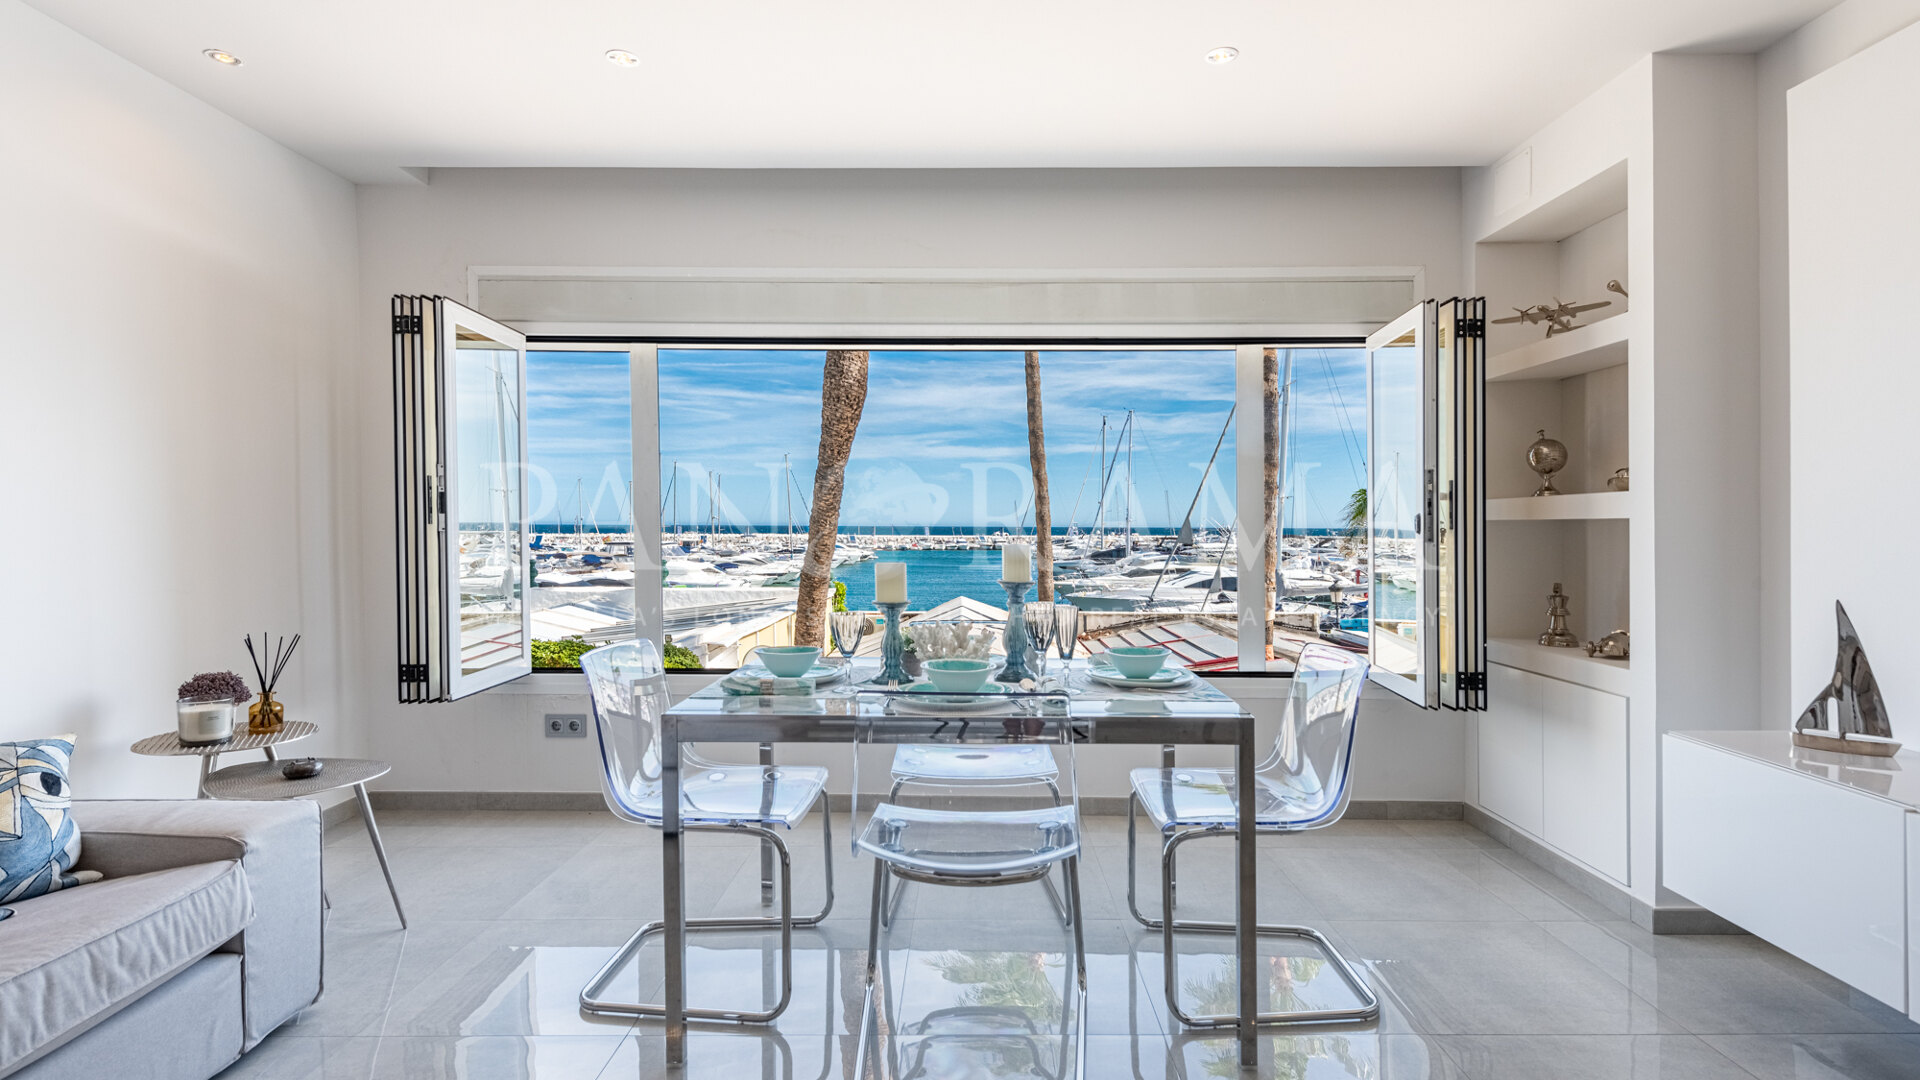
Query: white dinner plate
x=921 y=697
x=1166 y=679
x=819 y=672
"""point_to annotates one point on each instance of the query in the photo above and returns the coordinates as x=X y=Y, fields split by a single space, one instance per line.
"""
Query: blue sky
x=942 y=439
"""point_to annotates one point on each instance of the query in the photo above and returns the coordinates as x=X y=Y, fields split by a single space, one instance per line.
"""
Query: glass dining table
x=1071 y=706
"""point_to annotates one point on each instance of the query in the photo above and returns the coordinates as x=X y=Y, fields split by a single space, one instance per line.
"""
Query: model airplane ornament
x=1558 y=315
x=1849 y=716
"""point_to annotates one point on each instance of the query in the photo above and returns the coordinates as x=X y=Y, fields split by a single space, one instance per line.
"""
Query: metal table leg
x=766 y=851
x=379 y=850
x=206 y=770
x=673 y=892
x=1166 y=762
x=1245 y=909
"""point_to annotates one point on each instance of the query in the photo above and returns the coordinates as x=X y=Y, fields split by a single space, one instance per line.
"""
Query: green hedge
x=564 y=655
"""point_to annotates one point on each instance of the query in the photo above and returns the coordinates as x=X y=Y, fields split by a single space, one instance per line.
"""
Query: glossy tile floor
x=1487 y=968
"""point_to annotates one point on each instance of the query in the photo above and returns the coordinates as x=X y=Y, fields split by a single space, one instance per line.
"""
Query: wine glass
x=1040 y=630
x=848 y=628
x=1066 y=629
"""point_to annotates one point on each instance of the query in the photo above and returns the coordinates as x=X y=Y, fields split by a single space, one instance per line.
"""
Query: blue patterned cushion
x=39 y=840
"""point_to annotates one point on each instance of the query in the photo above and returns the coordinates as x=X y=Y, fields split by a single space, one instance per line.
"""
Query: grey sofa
x=204 y=937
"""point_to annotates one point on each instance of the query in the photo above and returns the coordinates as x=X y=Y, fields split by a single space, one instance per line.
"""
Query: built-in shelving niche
x=1573 y=385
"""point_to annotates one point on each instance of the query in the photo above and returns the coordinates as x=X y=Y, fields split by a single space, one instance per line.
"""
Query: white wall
x=424 y=239
x=1854 y=388
x=1814 y=48
x=176 y=291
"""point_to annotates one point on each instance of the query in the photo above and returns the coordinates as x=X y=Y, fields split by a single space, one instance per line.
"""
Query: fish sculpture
x=1850 y=706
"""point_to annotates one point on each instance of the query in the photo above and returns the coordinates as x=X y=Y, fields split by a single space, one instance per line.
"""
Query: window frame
x=649 y=601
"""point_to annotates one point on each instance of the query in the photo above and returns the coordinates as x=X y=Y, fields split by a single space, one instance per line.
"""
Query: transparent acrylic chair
x=1302 y=784
x=976 y=767
x=937 y=832
x=629 y=693
x=982 y=768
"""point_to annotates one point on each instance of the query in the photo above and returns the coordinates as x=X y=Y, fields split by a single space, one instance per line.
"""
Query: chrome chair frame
x=1076 y=993
x=785 y=921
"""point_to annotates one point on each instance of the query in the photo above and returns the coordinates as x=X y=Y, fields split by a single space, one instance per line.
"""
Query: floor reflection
x=1487 y=969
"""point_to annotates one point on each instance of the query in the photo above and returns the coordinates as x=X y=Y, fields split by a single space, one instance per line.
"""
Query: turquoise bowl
x=789 y=661
x=957 y=675
x=1137 y=661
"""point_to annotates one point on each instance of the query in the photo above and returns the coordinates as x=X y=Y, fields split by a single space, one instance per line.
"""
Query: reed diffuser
x=267 y=716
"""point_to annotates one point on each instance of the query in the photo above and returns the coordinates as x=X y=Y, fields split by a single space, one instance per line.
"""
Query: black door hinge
x=406 y=324
x=1473 y=681
x=1473 y=328
x=413 y=673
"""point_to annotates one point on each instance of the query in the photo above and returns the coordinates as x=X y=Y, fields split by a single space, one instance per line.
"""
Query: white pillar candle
x=1016 y=563
x=889 y=583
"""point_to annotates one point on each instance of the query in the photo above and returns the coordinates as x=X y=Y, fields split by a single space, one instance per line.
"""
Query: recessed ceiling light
x=1223 y=55
x=221 y=56
x=622 y=58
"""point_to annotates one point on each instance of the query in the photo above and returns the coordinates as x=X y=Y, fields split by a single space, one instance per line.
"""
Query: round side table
x=259 y=781
x=168 y=744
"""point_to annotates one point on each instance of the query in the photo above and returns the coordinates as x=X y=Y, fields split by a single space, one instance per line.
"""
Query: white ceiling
x=368 y=87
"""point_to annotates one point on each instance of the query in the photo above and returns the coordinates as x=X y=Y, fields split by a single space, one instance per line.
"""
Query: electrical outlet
x=566 y=726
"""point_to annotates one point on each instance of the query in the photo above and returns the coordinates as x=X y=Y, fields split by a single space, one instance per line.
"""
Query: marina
x=726 y=592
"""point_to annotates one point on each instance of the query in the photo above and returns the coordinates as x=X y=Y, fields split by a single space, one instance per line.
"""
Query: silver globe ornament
x=1546 y=457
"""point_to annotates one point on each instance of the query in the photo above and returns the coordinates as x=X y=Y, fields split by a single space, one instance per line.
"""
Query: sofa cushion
x=186 y=1029
x=39 y=840
x=74 y=957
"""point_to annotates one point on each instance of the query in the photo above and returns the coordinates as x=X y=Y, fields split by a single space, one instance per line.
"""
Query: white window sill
x=574 y=684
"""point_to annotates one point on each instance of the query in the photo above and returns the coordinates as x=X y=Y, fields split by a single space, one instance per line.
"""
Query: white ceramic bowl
x=957 y=675
x=789 y=661
x=1137 y=661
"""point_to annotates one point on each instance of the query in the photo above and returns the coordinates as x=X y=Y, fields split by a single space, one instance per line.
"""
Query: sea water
x=934 y=577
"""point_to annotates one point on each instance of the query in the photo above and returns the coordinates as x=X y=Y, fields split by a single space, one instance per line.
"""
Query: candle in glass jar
x=203 y=722
x=889 y=583
x=1016 y=563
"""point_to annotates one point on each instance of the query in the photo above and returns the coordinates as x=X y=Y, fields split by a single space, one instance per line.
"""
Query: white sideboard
x=1553 y=763
x=1815 y=852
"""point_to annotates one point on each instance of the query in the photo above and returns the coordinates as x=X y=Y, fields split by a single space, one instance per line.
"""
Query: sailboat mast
x=787 y=461
x=1100 y=505
x=1128 y=513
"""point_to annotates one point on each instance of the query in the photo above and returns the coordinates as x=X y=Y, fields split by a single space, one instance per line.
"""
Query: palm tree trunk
x=1270 y=489
x=843 y=394
x=1042 y=505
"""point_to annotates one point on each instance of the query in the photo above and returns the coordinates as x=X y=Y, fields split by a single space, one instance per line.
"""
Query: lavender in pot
x=207 y=705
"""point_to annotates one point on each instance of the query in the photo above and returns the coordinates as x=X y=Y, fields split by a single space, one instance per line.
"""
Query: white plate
x=1165 y=680
x=922 y=698
x=819 y=673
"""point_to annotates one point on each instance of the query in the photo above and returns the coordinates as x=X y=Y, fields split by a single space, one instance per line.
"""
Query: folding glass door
x=1425 y=511
x=460 y=499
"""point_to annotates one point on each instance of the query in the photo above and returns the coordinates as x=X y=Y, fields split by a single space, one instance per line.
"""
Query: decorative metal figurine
x=1546 y=457
x=1557 y=633
x=1849 y=716
x=1558 y=315
x=1618 y=481
x=1615 y=646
